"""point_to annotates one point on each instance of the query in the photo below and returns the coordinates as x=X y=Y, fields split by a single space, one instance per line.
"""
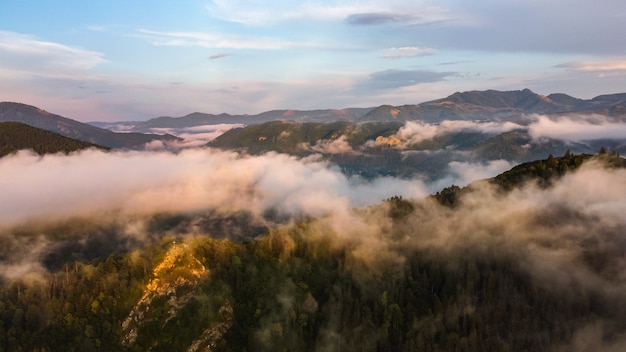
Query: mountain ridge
x=36 y=117
x=475 y=104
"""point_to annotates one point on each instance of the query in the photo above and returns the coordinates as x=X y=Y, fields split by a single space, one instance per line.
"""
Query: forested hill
x=16 y=136
x=543 y=172
x=500 y=274
x=33 y=116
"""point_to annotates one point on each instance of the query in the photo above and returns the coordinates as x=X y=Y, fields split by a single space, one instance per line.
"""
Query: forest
x=15 y=136
x=502 y=265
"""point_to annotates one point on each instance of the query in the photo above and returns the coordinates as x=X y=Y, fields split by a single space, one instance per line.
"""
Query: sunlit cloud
x=414 y=132
x=605 y=65
x=93 y=181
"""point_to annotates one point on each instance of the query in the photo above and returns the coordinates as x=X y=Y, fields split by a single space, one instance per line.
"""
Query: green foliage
x=544 y=172
x=399 y=207
x=292 y=291
x=297 y=288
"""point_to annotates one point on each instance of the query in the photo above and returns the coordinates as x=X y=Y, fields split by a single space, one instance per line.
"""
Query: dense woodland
x=16 y=136
x=294 y=288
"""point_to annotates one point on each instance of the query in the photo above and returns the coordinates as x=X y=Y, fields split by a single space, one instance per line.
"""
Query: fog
x=144 y=182
x=577 y=128
x=568 y=237
x=570 y=128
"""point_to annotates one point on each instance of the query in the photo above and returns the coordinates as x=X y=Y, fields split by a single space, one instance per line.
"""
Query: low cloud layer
x=577 y=128
x=195 y=136
x=572 y=128
x=92 y=181
x=414 y=132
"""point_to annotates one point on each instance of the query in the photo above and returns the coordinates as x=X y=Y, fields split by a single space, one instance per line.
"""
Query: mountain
x=372 y=149
x=16 y=136
x=35 y=117
x=470 y=105
x=493 y=105
x=516 y=271
x=199 y=119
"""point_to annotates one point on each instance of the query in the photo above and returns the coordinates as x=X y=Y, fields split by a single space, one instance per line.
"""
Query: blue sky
x=135 y=60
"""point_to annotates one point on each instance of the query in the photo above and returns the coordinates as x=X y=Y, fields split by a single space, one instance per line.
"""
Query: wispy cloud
x=218 y=40
x=219 y=55
x=354 y=12
x=601 y=65
x=401 y=78
x=273 y=11
x=407 y=51
x=377 y=18
x=22 y=52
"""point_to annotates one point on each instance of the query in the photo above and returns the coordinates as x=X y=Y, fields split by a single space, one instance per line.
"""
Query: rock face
x=172 y=289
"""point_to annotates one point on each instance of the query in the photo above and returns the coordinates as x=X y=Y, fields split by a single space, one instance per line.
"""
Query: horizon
x=136 y=61
x=289 y=109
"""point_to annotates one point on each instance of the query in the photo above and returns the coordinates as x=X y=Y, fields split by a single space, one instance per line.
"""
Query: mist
x=568 y=237
x=577 y=128
x=569 y=128
x=145 y=182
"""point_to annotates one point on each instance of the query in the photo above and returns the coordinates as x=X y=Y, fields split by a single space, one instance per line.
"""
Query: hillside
x=30 y=115
x=372 y=149
x=543 y=172
x=517 y=271
x=16 y=136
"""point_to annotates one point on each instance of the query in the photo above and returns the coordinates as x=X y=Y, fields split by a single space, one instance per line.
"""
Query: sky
x=137 y=59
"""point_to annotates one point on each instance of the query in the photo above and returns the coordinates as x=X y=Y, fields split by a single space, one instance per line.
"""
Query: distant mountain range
x=489 y=105
x=30 y=115
x=493 y=104
x=472 y=105
x=378 y=143
x=372 y=149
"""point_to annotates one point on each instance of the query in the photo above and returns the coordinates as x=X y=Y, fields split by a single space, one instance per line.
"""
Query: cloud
x=353 y=12
x=393 y=78
x=576 y=128
x=218 y=56
x=414 y=132
x=195 y=136
x=330 y=146
x=464 y=173
x=218 y=40
x=407 y=51
x=604 y=65
x=93 y=181
x=28 y=55
x=369 y=19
